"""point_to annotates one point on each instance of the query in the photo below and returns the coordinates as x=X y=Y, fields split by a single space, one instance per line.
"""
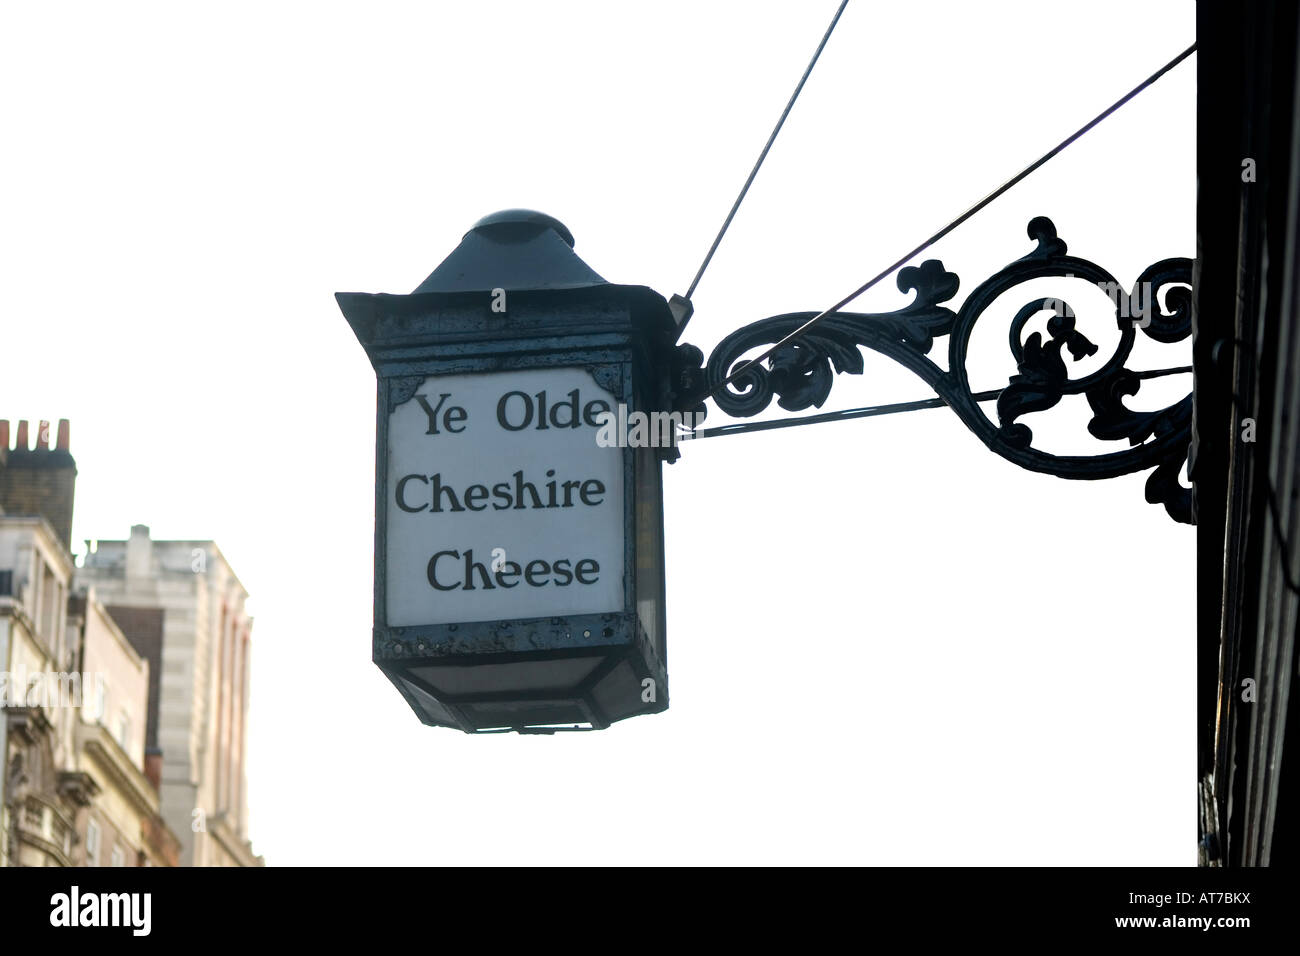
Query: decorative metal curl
x=800 y=374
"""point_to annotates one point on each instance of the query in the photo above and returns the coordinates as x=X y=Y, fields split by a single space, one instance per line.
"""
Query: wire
x=954 y=224
x=763 y=155
x=871 y=411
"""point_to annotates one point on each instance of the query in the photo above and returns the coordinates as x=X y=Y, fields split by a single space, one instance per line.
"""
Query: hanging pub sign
x=519 y=578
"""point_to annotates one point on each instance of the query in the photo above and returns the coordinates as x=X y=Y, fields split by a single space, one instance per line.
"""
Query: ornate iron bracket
x=800 y=374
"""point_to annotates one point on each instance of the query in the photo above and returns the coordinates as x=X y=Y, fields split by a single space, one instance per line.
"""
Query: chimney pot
x=63 y=440
x=43 y=436
x=21 y=443
x=4 y=434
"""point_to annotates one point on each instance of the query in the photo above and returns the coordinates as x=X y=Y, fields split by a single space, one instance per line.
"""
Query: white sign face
x=501 y=504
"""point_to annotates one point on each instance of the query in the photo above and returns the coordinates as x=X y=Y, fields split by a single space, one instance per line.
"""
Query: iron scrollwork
x=800 y=374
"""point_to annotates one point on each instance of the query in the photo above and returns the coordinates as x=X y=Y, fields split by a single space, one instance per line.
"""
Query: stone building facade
x=123 y=825
x=39 y=800
x=200 y=737
x=74 y=691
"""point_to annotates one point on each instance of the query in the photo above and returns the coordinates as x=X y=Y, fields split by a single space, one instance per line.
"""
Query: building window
x=118 y=859
x=92 y=843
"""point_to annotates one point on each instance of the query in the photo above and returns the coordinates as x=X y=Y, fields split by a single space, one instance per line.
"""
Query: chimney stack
x=39 y=481
x=139 y=552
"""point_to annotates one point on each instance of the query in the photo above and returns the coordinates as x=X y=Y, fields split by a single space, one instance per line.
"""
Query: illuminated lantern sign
x=519 y=581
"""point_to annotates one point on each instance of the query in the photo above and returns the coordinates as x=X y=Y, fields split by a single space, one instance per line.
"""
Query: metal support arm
x=800 y=374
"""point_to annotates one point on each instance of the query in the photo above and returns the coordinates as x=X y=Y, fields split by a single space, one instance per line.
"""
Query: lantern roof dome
x=515 y=250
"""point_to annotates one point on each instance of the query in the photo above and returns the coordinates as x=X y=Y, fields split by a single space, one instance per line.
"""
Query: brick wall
x=41 y=480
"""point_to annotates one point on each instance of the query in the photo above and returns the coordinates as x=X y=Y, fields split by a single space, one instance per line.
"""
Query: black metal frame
x=602 y=329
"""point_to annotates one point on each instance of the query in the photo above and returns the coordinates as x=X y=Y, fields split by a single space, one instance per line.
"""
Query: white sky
x=887 y=644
